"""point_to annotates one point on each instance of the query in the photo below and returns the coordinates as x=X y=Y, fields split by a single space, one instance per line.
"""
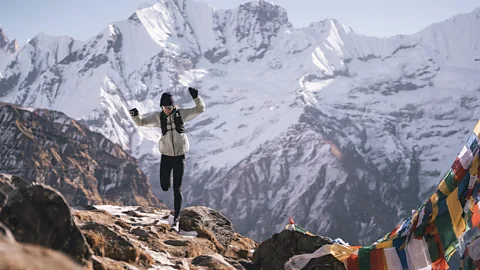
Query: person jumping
x=173 y=144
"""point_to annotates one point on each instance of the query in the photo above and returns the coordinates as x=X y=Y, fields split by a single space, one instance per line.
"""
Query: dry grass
x=96 y=241
x=204 y=233
x=240 y=246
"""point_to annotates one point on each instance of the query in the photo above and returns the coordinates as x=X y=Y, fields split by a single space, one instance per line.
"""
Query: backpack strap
x=177 y=119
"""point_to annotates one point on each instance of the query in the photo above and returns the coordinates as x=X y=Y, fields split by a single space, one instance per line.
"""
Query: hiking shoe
x=175 y=225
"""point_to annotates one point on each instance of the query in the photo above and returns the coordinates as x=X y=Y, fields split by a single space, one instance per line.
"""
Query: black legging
x=177 y=164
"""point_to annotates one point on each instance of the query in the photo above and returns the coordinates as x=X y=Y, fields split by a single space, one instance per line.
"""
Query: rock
x=182 y=265
x=163 y=228
x=16 y=256
x=6 y=184
x=241 y=247
x=207 y=234
x=208 y=223
x=3 y=199
x=143 y=234
x=19 y=182
x=215 y=261
x=133 y=214
x=248 y=265
x=146 y=209
x=235 y=264
x=5 y=234
x=106 y=242
x=177 y=243
x=10 y=182
x=101 y=263
x=276 y=251
x=152 y=231
x=123 y=224
x=38 y=214
x=89 y=207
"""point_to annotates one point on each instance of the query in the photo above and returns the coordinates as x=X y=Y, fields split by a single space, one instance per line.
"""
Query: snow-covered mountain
x=7 y=49
x=25 y=66
x=343 y=132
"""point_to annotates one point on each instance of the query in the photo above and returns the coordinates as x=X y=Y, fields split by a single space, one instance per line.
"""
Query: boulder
x=10 y=182
x=273 y=253
x=39 y=215
x=16 y=256
x=241 y=247
x=210 y=224
x=3 y=199
x=5 y=234
x=106 y=242
x=216 y=261
x=101 y=263
x=7 y=184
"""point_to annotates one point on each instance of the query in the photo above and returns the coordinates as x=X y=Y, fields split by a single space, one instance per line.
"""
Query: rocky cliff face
x=36 y=219
x=56 y=150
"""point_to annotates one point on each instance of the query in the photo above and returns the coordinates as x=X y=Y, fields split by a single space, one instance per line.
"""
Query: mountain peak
x=266 y=11
x=3 y=38
x=331 y=23
x=43 y=41
x=6 y=44
x=260 y=3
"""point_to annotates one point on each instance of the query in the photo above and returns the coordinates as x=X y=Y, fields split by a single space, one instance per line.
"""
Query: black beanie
x=167 y=99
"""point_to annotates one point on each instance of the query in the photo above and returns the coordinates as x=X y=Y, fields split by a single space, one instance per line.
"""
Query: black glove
x=133 y=112
x=193 y=92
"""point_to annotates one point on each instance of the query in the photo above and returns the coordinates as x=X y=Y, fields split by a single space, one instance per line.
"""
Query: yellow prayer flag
x=386 y=244
x=474 y=166
x=443 y=188
x=341 y=252
x=455 y=210
x=477 y=129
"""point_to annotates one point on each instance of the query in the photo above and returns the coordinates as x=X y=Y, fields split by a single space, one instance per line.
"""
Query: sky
x=82 y=19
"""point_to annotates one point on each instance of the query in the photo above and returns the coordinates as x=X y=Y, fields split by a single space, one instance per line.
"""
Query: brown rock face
x=40 y=215
x=209 y=224
x=106 y=242
x=50 y=148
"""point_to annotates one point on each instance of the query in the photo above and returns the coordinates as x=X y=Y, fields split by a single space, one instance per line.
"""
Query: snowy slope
x=318 y=123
